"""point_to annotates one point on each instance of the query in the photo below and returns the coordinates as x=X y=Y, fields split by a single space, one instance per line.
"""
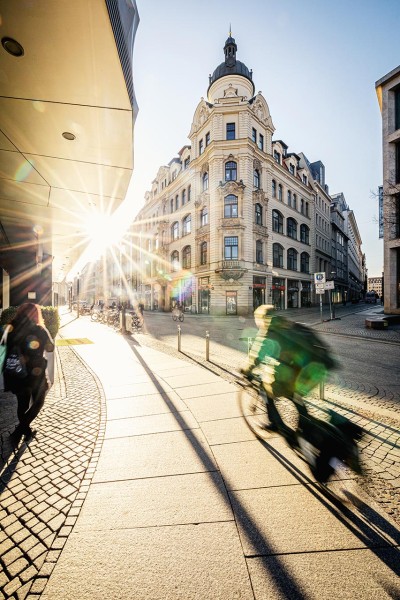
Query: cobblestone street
x=43 y=486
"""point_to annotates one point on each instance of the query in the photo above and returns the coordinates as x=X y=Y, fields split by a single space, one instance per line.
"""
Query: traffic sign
x=320 y=286
x=319 y=291
x=329 y=285
x=319 y=277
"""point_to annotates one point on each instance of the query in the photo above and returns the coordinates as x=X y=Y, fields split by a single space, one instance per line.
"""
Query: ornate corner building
x=235 y=220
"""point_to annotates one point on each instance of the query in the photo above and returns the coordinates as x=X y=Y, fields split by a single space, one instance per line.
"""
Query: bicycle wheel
x=94 y=316
x=174 y=317
x=254 y=411
x=181 y=317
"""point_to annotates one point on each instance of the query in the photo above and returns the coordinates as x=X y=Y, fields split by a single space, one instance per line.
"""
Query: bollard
x=207 y=346
x=322 y=390
x=179 y=338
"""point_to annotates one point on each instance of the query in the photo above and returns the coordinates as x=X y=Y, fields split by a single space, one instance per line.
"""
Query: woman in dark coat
x=27 y=333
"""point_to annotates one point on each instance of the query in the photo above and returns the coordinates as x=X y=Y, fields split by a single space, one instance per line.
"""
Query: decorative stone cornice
x=202 y=199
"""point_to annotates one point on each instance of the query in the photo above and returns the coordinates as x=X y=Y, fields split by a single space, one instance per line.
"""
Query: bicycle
x=324 y=445
x=177 y=315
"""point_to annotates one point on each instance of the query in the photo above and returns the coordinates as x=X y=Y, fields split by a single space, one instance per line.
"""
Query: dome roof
x=231 y=66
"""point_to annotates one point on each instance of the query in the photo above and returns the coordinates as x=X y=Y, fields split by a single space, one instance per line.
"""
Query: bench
x=376 y=323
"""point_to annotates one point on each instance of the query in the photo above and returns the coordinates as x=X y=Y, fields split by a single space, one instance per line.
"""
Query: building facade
x=233 y=221
x=388 y=92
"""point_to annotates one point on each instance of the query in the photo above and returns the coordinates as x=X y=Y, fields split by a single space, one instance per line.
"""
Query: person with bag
x=24 y=367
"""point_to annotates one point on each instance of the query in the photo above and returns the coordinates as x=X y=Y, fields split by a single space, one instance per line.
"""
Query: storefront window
x=278 y=293
x=259 y=285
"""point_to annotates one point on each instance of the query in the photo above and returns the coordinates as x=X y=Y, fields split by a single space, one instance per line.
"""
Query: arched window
x=204 y=216
x=203 y=253
x=277 y=255
x=175 y=260
x=280 y=192
x=277 y=221
x=292 y=259
x=304 y=234
x=257 y=181
x=187 y=225
x=230 y=171
x=259 y=252
x=291 y=228
x=205 y=181
x=186 y=257
x=273 y=188
x=230 y=206
x=258 y=214
x=175 y=230
x=304 y=262
x=289 y=198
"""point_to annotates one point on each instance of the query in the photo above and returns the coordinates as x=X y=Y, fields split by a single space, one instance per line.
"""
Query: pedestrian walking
x=24 y=369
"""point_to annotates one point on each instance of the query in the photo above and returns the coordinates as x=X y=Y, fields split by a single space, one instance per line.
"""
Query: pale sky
x=316 y=63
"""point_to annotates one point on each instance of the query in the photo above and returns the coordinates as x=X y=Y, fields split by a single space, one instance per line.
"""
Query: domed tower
x=240 y=76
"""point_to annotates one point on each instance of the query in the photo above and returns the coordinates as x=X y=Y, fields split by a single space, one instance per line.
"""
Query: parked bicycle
x=287 y=361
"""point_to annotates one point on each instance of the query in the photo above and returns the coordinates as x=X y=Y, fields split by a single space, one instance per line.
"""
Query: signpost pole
x=320 y=305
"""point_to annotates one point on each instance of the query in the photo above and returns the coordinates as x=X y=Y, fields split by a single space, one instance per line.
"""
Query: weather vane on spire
x=230 y=30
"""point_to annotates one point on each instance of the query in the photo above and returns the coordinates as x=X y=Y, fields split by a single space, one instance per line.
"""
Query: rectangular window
x=201 y=147
x=277 y=157
x=254 y=135
x=186 y=163
x=230 y=131
x=261 y=142
x=259 y=252
x=397 y=109
x=397 y=173
x=231 y=249
x=183 y=197
x=207 y=138
x=291 y=167
x=189 y=193
x=176 y=202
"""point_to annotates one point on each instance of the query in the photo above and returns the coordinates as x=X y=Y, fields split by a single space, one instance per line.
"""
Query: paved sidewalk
x=185 y=503
x=180 y=501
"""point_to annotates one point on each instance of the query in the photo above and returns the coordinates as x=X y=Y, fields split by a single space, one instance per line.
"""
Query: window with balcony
x=258 y=216
x=175 y=260
x=291 y=228
x=187 y=225
x=257 y=182
x=231 y=171
x=259 y=252
x=204 y=216
x=205 y=182
x=304 y=262
x=231 y=248
x=175 y=230
x=292 y=259
x=277 y=221
x=277 y=255
x=230 y=206
x=304 y=234
x=230 y=131
x=186 y=257
x=203 y=253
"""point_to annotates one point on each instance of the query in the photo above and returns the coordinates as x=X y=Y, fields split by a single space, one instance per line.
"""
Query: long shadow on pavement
x=284 y=582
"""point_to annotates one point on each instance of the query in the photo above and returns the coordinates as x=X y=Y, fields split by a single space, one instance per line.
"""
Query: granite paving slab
x=149 y=424
x=137 y=406
x=213 y=406
x=158 y=563
x=175 y=500
x=169 y=453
